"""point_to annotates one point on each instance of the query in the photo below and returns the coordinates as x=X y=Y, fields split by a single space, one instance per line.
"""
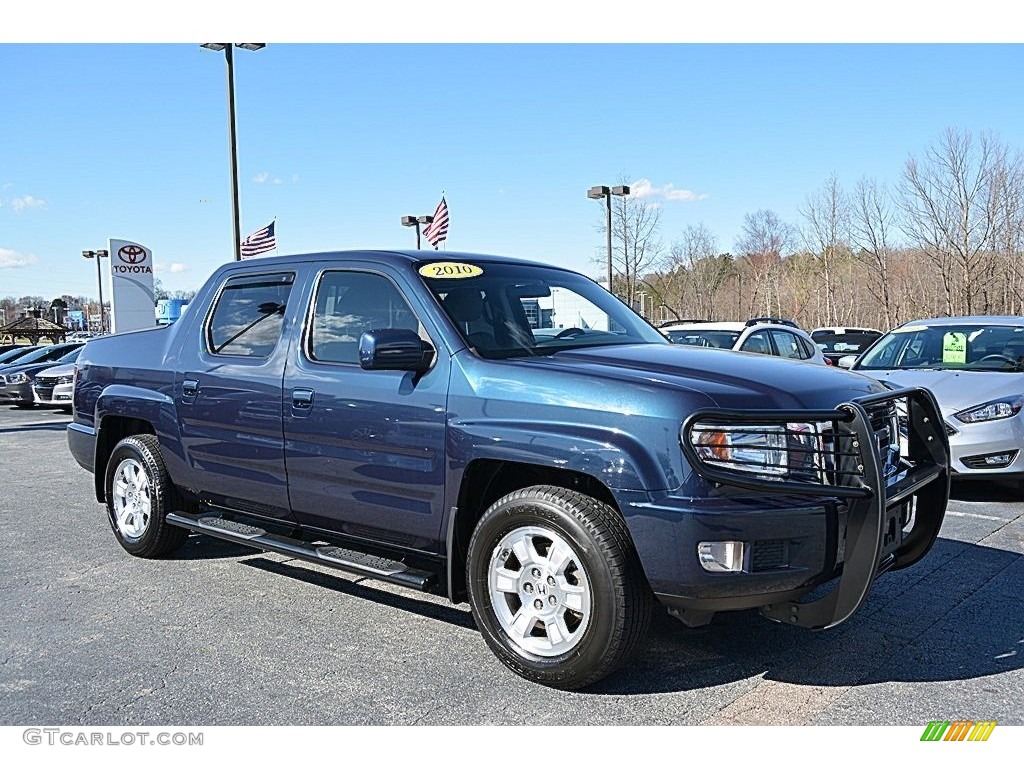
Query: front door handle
x=302 y=398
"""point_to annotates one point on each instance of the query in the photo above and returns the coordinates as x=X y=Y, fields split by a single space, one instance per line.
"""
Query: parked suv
x=761 y=335
x=394 y=415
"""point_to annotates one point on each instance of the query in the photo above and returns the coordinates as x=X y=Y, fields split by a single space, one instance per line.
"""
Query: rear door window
x=249 y=315
x=757 y=342
x=788 y=345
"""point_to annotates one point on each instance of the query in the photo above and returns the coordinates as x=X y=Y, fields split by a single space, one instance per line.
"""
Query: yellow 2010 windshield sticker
x=954 y=348
x=450 y=270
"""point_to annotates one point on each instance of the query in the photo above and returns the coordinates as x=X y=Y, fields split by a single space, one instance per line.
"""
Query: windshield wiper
x=268 y=309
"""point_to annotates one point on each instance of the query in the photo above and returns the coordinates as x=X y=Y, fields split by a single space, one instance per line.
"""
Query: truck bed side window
x=249 y=315
x=347 y=305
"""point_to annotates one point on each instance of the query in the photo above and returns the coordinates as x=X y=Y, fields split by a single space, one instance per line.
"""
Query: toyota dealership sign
x=131 y=282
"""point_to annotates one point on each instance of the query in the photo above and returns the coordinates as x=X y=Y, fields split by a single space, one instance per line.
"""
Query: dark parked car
x=393 y=415
x=16 y=380
x=9 y=356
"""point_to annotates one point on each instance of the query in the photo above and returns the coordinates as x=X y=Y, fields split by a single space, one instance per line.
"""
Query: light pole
x=229 y=57
x=415 y=221
x=98 y=255
x=596 y=193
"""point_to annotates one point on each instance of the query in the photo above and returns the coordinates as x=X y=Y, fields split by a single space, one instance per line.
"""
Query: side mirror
x=847 y=361
x=394 y=349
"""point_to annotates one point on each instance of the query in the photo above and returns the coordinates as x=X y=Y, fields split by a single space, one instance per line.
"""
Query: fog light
x=721 y=556
x=990 y=460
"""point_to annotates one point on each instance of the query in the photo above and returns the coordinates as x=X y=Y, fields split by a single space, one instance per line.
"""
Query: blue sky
x=339 y=141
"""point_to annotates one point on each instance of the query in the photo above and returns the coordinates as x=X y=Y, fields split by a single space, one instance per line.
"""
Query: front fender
x=621 y=461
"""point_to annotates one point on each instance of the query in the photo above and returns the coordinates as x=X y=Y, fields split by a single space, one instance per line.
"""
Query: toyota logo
x=131 y=254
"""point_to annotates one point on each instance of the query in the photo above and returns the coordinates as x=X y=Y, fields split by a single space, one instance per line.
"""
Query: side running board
x=360 y=563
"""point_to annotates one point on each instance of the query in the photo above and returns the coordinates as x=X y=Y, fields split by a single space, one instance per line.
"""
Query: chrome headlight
x=18 y=378
x=1003 y=408
x=772 y=451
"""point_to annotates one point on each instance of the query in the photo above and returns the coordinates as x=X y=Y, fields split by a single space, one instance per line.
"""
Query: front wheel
x=556 y=587
x=139 y=496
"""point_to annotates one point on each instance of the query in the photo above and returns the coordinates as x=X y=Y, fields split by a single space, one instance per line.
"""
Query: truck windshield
x=515 y=310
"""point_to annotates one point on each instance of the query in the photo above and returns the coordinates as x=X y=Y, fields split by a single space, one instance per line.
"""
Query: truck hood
x=729 y=379
x=956 y=390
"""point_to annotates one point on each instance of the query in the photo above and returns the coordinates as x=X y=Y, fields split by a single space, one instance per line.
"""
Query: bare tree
x=636 y=245
x=949 y=202
x=698 y=272
x=763 y=241
x=872 y=223
x=827 y=213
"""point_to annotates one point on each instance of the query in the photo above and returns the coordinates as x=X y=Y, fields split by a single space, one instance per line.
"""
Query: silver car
x=975 y=368
x=55 y=386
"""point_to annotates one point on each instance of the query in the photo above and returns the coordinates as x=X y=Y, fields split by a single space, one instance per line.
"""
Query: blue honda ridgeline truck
x=510 y=434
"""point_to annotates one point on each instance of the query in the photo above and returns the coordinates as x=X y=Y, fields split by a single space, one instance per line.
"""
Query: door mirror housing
x=847 y=361
x=394 y=349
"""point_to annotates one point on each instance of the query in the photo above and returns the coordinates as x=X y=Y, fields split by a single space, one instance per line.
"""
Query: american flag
x=260 y=241
x=437 y=230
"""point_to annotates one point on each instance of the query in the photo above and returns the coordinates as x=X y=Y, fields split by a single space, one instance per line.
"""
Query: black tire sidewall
x=578 y=662
x=131 y=448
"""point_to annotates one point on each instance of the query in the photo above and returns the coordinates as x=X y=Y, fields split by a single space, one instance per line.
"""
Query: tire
x=139 y=495
x=556 y=586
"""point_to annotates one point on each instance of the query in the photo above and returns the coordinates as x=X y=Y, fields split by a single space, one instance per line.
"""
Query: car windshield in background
x=14 y=354
x=709 y=338
x=961 y=347
x=517 y=310
x=45 y=353
x=845 y=343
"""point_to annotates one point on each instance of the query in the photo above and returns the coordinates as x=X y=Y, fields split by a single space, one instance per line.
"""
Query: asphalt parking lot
x=221 y=635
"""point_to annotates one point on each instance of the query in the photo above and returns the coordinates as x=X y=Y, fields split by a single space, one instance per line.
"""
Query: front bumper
x=47 y=393
x=857 y=524
x=972 y=441
x=16 y=393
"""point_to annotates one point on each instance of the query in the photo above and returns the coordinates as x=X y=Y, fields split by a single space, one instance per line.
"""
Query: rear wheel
x=556 y=587
x=139 y=496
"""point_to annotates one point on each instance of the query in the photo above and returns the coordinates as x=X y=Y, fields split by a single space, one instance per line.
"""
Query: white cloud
x=644 y=188
x=19 y=204
x=259 y=178
x=277 y=181
x=13 y=260
x=177 y=268
x=295 y=178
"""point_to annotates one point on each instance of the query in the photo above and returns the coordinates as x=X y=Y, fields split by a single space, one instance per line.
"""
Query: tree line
x=945 y=239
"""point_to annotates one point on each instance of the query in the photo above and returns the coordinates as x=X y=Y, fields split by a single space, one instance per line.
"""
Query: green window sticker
x=954 y=348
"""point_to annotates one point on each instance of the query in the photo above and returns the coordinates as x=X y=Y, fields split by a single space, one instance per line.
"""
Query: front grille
x=881 y=416
x=44 y=392
x=769 y=555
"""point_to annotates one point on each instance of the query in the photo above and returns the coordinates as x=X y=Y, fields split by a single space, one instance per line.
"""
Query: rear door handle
x=302 y=398
x=189 y=389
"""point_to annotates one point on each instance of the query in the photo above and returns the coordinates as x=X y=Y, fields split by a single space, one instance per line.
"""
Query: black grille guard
x=923 y=475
